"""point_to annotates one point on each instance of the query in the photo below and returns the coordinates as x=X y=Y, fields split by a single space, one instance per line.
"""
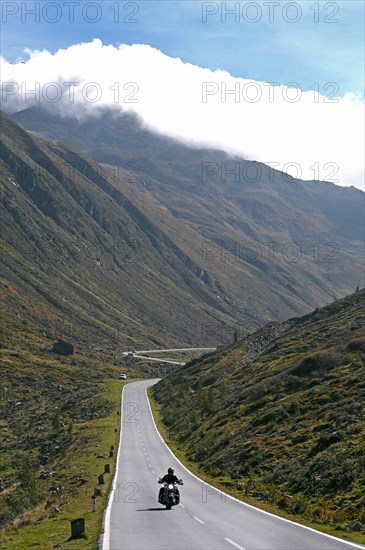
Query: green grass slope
x=48 y=406
x=279 y=417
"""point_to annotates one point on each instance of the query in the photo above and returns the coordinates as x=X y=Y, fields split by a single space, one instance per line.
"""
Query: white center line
x=182 y=506
x=199 y=520
x=234 y=544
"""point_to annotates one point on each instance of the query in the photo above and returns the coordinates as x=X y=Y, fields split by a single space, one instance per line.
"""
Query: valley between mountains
x=114 y=238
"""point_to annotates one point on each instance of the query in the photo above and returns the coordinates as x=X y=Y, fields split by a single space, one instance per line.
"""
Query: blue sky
x=303 y=42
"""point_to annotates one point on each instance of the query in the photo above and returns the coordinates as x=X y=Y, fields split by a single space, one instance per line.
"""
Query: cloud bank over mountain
x=309 y=134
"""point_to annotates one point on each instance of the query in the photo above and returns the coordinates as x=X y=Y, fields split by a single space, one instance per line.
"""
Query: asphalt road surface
x=141 y=354
x=174 y=349
x=206 y=519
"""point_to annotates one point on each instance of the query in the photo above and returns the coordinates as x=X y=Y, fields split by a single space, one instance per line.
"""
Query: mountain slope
x=279 y=416
x=82 y=261
x=115 y=138
x=269 y=246
x=70 y=239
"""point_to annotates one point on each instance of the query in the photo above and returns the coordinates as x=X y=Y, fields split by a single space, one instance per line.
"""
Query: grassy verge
x=221 y=483
x=44 y=528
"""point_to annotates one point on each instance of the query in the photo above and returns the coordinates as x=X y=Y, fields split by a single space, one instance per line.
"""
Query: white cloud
x=312 y=134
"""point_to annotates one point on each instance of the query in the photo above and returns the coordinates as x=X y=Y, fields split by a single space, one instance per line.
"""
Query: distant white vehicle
x=122 y=377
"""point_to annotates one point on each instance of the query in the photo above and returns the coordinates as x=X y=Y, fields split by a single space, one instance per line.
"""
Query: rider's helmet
x=170 y=471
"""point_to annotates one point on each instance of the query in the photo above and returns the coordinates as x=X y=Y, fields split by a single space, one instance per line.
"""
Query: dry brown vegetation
x=286 y=424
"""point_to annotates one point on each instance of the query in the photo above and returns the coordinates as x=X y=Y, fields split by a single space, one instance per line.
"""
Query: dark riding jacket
x=170 y=478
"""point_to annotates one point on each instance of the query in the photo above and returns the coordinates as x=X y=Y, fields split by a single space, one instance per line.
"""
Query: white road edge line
x=353 y=544
x=105 y=545
x=234 y=544
x=199 y=520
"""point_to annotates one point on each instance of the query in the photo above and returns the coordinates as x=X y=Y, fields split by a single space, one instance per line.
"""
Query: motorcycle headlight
x=171 y=486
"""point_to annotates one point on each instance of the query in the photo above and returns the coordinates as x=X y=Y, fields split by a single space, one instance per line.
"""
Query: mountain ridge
x=236 y=254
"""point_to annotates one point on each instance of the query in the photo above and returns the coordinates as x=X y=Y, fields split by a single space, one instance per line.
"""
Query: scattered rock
x=324 y=442
x=260 y=496
x=44 y=475
x=62 y=348
x=357 y=526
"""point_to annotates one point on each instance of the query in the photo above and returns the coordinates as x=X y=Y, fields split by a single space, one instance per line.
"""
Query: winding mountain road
x=142 y=354
x=206 y=519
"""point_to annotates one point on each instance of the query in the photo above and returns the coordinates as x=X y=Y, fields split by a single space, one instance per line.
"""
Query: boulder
x=324 y=442
x=62 y=348
x=44 y=459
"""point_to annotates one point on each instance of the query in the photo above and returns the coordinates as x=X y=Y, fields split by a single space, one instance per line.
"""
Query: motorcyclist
x=169 y=478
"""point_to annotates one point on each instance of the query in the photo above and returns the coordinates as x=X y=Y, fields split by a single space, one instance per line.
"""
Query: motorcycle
x=170 y=495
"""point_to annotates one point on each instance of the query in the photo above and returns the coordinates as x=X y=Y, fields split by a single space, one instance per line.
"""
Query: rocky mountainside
x=279 y=416
x=86 y=255
x=267 y=245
